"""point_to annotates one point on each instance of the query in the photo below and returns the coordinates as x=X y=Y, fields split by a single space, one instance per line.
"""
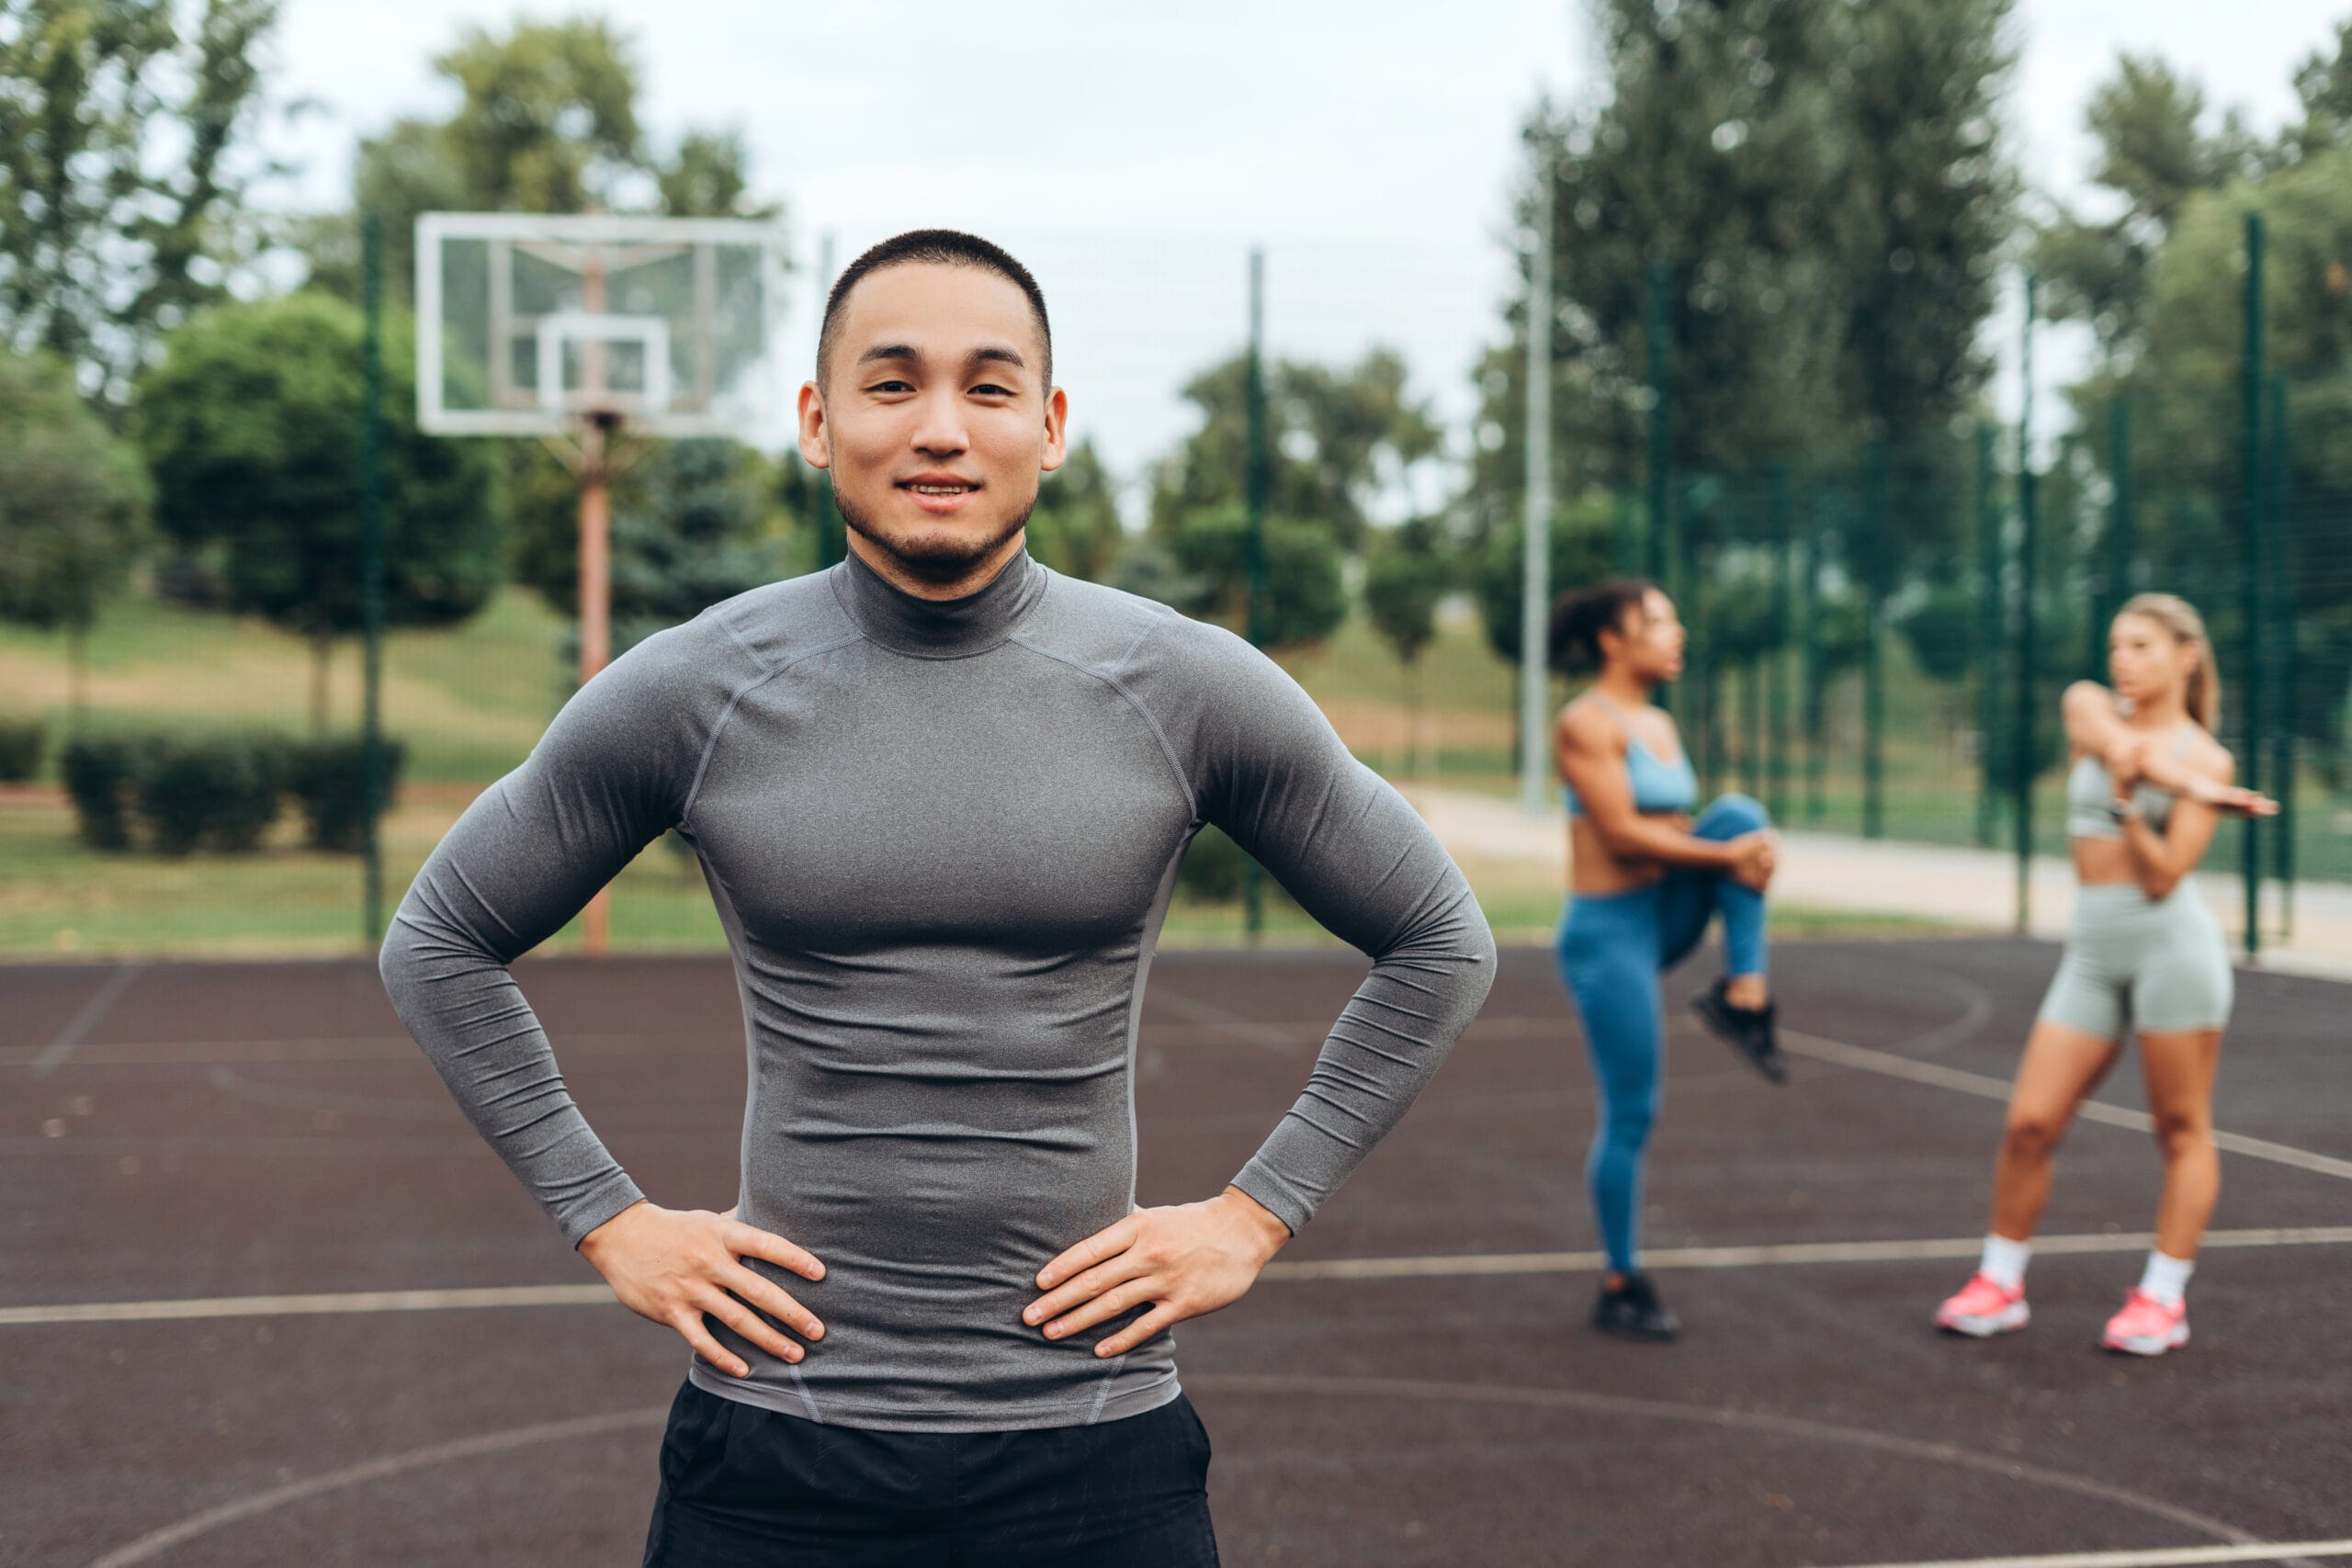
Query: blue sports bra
x=1658 y=787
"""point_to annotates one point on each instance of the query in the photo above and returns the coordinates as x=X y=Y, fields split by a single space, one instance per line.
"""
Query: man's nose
x=940 y=431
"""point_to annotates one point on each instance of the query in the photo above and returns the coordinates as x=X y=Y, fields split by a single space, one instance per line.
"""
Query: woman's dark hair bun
x=1580 y=615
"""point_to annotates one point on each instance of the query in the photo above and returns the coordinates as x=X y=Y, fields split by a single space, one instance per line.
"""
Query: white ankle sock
x=2167 y=1277
x=2004 y=1261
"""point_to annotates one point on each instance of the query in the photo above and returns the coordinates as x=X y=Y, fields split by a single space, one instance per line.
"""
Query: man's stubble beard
x=943 y=559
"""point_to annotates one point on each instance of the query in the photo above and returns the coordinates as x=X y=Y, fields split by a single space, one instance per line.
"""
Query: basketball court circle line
x=54 y=1055
x=156 y=1542
x=2253 y=1549
x=2154 y=1557
x=1437 y=1266
x=1887 y=1064
x=1742 y=1420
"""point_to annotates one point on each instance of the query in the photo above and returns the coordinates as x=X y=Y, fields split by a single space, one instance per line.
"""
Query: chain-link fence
x=1879 y=638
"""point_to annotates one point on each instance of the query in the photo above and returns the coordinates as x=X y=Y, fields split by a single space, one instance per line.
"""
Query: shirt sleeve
x=1277 y=779
x=610 y=775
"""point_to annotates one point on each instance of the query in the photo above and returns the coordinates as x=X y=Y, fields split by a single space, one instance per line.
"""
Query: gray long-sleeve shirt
x=942 y=838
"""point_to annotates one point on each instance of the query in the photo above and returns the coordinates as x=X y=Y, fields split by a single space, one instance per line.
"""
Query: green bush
x=219 y=792
x=328 y=779
x=22 y=741
x=1216 y=868
x=100 y=772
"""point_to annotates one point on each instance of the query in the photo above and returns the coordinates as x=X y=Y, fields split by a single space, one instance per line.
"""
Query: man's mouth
x=922 y=487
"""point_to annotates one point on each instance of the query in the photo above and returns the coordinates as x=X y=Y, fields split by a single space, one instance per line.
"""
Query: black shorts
x=742 y=1486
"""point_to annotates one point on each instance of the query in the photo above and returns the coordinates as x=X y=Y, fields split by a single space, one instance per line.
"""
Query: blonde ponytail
x=2179 y=617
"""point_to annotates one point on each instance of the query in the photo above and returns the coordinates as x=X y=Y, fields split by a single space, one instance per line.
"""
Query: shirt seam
x=1166 y=750
x=702 y=766
x=1013 y=633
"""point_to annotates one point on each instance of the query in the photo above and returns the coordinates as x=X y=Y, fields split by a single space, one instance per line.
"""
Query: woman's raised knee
x=1739 y=813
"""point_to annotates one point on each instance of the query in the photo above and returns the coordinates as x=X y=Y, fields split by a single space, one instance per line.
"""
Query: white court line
x=154 y=1543
x=53 y=1056
x=1439 y=1265
x=1984 y=1087
x=310 y=1305
x=2152 y=1557
x=1754 y=1257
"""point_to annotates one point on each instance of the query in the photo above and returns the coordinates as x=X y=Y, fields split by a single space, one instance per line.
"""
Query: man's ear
x=1056 y=430
x=816 y=436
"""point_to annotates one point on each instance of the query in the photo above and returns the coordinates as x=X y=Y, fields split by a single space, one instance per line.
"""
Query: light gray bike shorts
x=2159 y=966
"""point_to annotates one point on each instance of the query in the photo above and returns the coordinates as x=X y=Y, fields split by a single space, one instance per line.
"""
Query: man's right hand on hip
x=677 y=1266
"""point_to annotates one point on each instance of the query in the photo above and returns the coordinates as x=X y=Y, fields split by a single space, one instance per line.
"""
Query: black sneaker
x=1748 y=1031
x=1632 y=1310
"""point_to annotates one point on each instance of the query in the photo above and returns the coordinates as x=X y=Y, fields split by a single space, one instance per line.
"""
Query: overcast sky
x=1131 y=156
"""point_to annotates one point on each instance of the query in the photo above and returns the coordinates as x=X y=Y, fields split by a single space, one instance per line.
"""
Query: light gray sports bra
x=2089 y=789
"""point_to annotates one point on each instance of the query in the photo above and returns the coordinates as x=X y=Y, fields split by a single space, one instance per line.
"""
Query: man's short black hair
x=949 y=247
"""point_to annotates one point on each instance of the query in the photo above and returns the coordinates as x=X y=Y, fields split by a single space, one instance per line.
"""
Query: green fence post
x=1874 y=558
x=2285 y=726
x=2118 y=584
x=1654 y=328
x=2250 y=572
x=1988 y=630
x=2028 y=546
x=371 y=575
x=1775 y=789
x=1809 y=617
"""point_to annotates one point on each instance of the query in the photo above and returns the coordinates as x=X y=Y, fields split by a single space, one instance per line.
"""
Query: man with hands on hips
x=940 y=795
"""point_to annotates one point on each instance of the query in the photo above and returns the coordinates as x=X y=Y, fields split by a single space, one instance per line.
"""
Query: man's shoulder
x=776 y=623
x=1125 y=635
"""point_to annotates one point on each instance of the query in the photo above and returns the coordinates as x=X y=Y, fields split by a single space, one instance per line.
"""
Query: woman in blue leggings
x=1645 y=876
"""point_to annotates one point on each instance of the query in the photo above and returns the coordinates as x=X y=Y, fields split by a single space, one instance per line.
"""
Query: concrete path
x=1966 y=886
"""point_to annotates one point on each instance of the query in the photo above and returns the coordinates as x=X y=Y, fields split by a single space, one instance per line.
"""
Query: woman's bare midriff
x=2101 y=862
x=1594 y=873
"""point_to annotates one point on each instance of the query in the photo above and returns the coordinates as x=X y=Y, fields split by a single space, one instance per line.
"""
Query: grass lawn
x=59 y=900
x=470 y=701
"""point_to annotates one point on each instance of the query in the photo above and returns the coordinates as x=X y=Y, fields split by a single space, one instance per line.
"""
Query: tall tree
x=1812 y=197
x=1340 y=438
x=1305 y=580
x=1076 y=527
x=2156 y=153
x=2185 y=477
x=1407 y=573
x=124 y=157
x=546 y=121
x=252 y=423
x=73 y=505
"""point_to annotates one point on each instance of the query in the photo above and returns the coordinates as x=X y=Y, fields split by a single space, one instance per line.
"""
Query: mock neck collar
x=938 y=628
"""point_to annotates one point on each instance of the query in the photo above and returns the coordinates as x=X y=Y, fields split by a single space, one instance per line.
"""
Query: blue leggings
x=1611 y=951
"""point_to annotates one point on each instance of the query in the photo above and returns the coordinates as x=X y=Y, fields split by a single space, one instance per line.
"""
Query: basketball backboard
x=527 y=324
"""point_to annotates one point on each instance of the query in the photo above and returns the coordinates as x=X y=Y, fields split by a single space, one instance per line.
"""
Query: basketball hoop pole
x=597 y=556
x=595 y=603
x=517 y=335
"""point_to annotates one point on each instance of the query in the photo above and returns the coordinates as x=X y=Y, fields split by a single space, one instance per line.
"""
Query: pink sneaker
x=2147 y=1326
x=1983 y=1308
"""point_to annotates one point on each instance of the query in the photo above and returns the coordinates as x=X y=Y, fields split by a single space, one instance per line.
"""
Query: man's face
x=933 y=416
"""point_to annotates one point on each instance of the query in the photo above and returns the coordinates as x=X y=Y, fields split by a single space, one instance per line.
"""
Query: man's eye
x=989 y=390
x=890 y=387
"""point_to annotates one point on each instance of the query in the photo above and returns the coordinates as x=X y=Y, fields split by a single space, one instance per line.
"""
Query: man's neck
x=894 y=571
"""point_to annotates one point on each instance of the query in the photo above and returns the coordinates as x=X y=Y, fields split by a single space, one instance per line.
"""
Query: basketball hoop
x=574 y=329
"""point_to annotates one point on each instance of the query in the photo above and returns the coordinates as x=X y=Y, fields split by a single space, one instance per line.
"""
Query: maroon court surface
x=1414 y=1383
